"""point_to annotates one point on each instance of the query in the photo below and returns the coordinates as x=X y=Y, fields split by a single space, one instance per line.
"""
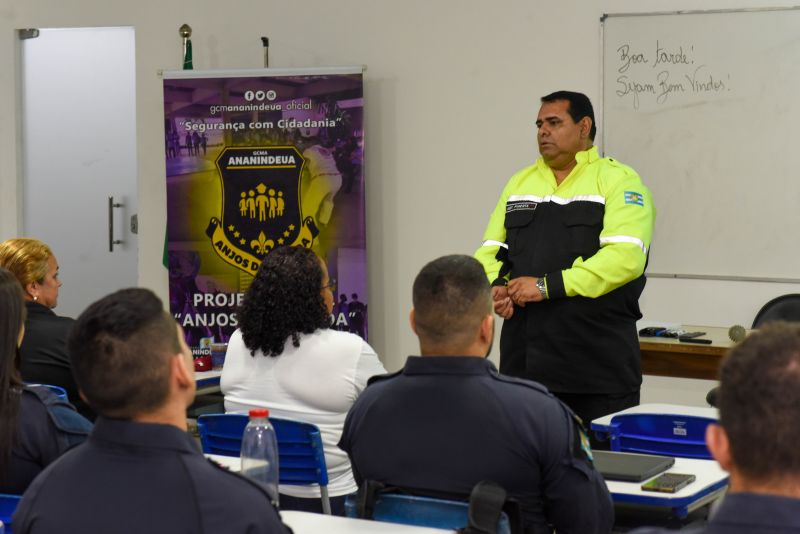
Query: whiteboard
x=706 y=107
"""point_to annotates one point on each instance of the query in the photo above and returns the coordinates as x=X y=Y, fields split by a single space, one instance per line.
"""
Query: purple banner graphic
x=255 y=162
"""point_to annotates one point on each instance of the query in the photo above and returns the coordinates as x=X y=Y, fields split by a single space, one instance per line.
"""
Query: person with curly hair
x=284 y=357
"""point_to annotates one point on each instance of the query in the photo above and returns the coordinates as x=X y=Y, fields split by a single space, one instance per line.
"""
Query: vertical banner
x=257 y=160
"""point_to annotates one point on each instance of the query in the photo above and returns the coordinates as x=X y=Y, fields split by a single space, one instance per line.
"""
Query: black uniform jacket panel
x=576 y=344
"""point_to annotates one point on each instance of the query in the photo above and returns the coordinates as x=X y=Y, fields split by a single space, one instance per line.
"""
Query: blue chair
x=8 y=503
x=421 y=512
x=301 y=459
x=58 y=390
x=222 y=433
x=660 y=434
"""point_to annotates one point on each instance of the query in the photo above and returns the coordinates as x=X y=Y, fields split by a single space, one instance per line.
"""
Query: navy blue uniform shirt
x=47 y=427
x=130 y=478
x=444 y=424
x=748 y=513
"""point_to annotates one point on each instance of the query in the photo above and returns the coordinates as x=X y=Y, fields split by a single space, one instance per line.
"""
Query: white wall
x=452 y=92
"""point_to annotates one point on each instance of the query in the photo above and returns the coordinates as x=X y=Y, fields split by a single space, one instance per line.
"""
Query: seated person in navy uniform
x=756 y=440
x=36 y=426
x=449 y=420
x=139 y=471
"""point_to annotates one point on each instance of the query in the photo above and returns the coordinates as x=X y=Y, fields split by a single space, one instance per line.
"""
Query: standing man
x=565 y=252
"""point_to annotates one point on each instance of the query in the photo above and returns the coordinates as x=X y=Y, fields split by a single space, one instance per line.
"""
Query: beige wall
x=451 y=97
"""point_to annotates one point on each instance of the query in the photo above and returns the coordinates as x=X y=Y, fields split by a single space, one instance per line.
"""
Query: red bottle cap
x=259 y=412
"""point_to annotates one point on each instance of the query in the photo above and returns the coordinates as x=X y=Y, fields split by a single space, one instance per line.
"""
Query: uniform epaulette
x=541 y=389
x=239 y=476
x=619 y=165
x=522 y=382
x=378 y=378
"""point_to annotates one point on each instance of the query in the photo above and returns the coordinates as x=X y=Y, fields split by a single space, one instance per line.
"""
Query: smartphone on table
x=668 y=482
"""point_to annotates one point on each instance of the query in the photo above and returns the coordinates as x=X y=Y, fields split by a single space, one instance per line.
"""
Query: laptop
x=629 y=467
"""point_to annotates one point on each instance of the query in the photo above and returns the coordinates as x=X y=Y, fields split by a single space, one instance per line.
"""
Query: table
x=207 y=381
x=231 y=463
x=308 y=523
x=302 y=522
x=711 y=483
x=663 y=356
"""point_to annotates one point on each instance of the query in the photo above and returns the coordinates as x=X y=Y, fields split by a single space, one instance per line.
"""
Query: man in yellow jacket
x=565 y=252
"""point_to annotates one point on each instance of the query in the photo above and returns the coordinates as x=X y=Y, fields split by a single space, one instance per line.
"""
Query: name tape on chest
x=520 y=205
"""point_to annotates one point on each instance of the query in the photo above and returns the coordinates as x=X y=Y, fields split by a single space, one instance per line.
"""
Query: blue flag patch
x=632 y=197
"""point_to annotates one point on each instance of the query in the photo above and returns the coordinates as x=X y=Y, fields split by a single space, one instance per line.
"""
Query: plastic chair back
x=58 y=390
x=222 y=433
x=783 y=308
x=301 y=458
x=421 y=512
x=661 y=434
x=8 y=503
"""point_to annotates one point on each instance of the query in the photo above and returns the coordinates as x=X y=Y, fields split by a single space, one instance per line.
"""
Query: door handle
x=111 y=240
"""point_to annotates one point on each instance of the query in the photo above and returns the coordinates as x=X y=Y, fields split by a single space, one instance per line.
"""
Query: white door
x=78 y=149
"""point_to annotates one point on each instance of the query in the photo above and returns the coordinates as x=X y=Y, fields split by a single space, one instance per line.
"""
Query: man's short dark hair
x=579 y=107
x=451 y=297
x=120 y=349
x=759 y=402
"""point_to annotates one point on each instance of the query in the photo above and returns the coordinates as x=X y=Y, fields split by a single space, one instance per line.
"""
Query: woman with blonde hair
x=43 y=354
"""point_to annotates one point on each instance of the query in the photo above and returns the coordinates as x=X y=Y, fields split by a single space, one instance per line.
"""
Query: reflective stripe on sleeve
x=493 y=243
x=623 y=239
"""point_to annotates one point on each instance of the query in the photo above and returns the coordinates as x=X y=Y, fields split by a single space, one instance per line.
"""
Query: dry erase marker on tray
x=701 y=341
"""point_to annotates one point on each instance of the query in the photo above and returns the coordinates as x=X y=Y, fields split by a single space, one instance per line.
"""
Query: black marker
x=695 y=340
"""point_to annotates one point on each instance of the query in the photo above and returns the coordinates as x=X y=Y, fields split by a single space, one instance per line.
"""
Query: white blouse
x=316 y=382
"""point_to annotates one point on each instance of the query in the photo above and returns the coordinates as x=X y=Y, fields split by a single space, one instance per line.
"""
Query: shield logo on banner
x=261 y=206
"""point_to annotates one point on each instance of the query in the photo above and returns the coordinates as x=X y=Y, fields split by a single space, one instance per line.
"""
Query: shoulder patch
x=634 y=197
x=581 y=446
x=586 y=447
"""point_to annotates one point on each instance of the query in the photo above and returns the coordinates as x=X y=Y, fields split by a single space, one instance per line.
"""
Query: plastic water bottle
x=260 y=452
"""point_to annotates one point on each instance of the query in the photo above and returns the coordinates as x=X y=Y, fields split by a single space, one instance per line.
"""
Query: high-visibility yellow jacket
x=588 y=237
x=606 y=217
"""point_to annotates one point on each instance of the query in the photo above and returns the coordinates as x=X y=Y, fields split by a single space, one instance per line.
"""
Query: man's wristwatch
x=540 y=285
